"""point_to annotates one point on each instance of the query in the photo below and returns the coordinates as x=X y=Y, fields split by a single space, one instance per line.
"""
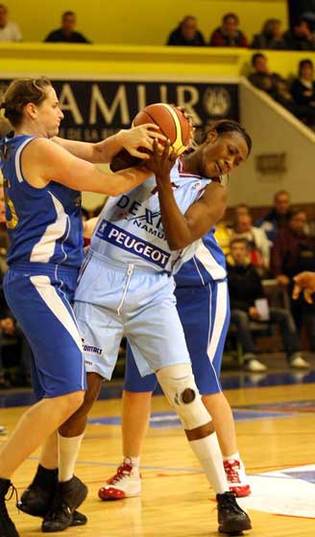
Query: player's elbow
x=178 y=243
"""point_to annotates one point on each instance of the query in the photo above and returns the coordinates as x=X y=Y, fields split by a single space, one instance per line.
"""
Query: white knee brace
x=179 y=387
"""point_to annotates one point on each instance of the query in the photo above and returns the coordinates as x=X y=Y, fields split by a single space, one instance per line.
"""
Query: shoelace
x=12 y=490
x=229 y=502
x=232 y=469
x=122 y=471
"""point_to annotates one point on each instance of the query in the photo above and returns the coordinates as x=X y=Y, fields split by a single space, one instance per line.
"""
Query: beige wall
x=138 y=21
x=273 y=131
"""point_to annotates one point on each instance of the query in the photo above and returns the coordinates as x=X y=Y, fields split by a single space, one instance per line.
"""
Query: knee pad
x=179 y=387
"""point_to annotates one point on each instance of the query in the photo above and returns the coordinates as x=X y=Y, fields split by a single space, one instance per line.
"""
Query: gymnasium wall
x=138 y=21
x=280 y=141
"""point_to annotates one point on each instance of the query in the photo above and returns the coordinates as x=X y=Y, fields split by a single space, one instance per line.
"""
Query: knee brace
x=179 y=387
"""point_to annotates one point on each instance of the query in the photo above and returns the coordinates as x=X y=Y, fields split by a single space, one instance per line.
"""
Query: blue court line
x=11 y=398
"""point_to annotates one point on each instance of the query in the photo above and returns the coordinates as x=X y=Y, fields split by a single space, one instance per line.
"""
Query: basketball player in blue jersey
x=42 y=182
x=126 y=287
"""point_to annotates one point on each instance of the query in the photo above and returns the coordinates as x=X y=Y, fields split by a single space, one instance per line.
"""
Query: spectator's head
x=260 y=63
x=230 y=23
x=33 y=102
x=302 y=28
x=272 y=28
x=239 y=251
x=188 y=27
x=243 y=223
x=297 y=221
x=3 y=16
x=281 y=202
x=68 y=22
x=240 y=210
x=306 y=69
x=224 y=146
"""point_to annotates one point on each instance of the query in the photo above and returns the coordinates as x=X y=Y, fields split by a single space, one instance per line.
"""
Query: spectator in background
x=186 y=34
x=294 y=252
x=245 y=289
x=272 y=83
x=228 y=34
x=67 y=33
x=271 y=36
x=300 y=37
x=9 y=31
x=278 y=217
x=303 y=90
x=258 y=244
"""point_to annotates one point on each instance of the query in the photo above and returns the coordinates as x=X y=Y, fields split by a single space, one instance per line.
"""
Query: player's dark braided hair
x=21 y=92
x=223 y=126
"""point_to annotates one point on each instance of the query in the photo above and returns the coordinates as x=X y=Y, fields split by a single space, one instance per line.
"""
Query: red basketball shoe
x=237 y=478
x=126 y=483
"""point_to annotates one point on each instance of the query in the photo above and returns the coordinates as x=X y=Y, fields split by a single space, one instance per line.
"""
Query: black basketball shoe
x=70 y=494
x=7 y=527
x=37 y=499
x=231 y=518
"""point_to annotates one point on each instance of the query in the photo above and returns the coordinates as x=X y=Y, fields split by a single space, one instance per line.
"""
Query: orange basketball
x=172 y=122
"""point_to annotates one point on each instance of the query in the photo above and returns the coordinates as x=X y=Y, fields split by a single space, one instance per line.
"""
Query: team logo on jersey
x=131 y=243
x=141 y=217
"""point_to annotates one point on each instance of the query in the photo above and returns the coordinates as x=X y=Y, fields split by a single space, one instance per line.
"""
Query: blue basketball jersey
x=44 y=224
x=206 y=265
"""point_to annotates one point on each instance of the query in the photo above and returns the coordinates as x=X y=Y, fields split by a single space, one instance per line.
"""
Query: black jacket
x=244 y=286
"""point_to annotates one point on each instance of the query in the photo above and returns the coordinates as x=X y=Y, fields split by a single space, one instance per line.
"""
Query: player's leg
x=167 y=354
x=205 y=316
x=101 y=334
x=56 y=349
x=136 y=409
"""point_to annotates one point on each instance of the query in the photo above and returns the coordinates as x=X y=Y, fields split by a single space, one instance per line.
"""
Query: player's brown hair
x=21 y=92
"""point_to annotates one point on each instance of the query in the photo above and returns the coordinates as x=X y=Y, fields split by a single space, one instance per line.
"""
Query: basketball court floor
x=275 y=417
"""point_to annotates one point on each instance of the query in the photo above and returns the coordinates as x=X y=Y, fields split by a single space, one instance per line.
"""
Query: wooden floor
x=176 y=500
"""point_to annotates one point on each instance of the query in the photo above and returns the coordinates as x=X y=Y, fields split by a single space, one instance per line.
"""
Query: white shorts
x=116 y=300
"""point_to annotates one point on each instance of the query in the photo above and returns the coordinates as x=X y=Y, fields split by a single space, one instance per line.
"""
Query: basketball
x=172 y=122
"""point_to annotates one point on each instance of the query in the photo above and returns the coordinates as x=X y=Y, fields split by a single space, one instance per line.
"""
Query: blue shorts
x=205 y=315
x=40 y=299
x=115 y=300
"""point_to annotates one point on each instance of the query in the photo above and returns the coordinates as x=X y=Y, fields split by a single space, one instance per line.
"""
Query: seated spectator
x=303 y=91
x=186 y=34
x=294 y=252
x=300 y=37
x=228 y=34
x=272 y=83
x=9 y=31
x=278 y=216
x=67 y=33
x=271 y=36
x=245 y=289
x=259 y=245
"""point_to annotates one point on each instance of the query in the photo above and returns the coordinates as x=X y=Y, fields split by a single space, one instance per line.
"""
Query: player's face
x=220 y=154
x=49 y=114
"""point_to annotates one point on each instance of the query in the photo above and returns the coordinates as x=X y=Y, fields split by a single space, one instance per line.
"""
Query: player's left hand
x=138 y=141
x=161 y=161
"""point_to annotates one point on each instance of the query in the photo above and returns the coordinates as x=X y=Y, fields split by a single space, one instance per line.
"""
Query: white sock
x=68 y=450
x=134 y=461
x=208 y=452
x=233 y=457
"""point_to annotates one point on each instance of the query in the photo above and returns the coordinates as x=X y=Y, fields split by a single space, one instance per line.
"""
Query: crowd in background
x=229 y=34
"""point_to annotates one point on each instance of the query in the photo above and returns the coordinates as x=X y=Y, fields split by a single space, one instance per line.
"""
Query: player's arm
x=43 y=161
x=134 y=140
x=183 y=229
